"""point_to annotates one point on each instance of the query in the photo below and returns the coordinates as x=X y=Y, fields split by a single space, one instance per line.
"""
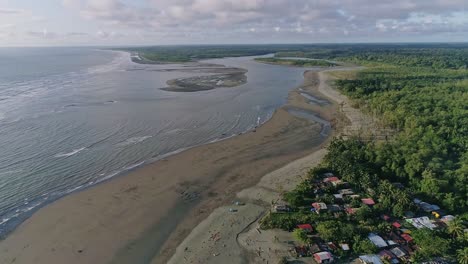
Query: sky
x=165 y=22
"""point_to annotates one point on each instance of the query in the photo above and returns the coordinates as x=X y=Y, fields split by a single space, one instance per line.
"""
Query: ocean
x=74 y=117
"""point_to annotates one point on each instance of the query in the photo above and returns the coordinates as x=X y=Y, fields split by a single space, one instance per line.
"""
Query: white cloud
x=225 y=20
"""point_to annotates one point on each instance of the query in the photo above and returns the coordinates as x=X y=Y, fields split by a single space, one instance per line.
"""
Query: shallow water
x=72 y=117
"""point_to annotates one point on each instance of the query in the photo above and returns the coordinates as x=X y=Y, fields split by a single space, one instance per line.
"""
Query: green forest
x=428 y=107
x=422 y=95
x=297 y=62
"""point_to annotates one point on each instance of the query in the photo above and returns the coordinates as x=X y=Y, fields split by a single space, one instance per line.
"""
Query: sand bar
x=247 y=241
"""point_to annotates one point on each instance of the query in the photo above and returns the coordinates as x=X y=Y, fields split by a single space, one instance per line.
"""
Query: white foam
x=133 y=140
x=75 y=151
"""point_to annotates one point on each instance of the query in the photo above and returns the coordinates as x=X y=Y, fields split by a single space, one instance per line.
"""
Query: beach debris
x=232 y=210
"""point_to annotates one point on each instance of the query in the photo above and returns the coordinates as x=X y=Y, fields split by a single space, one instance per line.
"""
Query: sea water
x=74 y=117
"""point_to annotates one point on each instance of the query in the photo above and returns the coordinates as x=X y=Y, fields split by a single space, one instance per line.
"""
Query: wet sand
x=144 y=215
x=235 y=237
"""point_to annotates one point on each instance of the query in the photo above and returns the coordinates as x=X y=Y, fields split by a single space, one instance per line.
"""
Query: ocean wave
x=132 y=140
x=75 y=151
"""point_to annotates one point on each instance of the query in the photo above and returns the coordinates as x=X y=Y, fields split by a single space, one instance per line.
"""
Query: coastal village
x=338 y=208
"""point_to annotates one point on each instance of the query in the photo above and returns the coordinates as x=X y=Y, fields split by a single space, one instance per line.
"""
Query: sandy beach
x=144 y=215
x=225 y=234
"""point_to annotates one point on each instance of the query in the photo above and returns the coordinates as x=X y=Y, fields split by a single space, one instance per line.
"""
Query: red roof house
x=319 y=207
x=368 y=201
x=331 y=179
x=396 y=224
x=306 y=227
x=323 y=257
x=350 y=210
x=407 y=238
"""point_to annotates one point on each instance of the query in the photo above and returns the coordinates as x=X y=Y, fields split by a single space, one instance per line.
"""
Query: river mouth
x=313 y=99
x=313 y=117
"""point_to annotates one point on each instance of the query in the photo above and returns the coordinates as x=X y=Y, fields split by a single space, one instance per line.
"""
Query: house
x=428 y=207
x=388 y=255
x=281 y=208
x=396 y=224
x=407 y=238
x=351 y=211
x=370 y=259
x=323 y=257
x=301 y=251
x=331 y=246
x=344 y=247
x=377 y=240
x=421 y=222
x=368 y=201
x=447 y=218
x=334 y=208
x=306 y=227
x=319 y=207
x=331 y=179
x=314 y=248
x=398 y=252
x=338 y=196
x=346 y=191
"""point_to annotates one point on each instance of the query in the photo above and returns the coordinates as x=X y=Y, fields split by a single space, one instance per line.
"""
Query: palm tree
x=462 y=256
x=455 y=227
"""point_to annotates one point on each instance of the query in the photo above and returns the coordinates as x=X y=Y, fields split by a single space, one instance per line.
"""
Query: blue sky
x=158 y=22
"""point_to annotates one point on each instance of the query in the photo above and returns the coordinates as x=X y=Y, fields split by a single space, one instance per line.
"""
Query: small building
x=428 y=207
x=368 y=201
x=396 y=224
x=323 y=257
x=301 y=251
x=306 y=227
x=334 y=208
x=388 y=255
x=344 y=247
x=421 y=222
x=407 y=238
x=377 y=240
x=319 y=207
x=331 y=179
x=447 y=218
x=338 y=196
x=346 y=191
x=398 y=252
x=351 y=211
x=281 y=208
x=370 y=259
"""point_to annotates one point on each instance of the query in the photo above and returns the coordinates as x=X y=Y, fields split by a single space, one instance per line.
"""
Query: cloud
x=8 y=11
x=206 y=15
x=44 y=34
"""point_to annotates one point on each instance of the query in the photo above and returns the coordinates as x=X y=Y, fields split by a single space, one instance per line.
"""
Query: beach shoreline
x=126 y=213
x=244 y=242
